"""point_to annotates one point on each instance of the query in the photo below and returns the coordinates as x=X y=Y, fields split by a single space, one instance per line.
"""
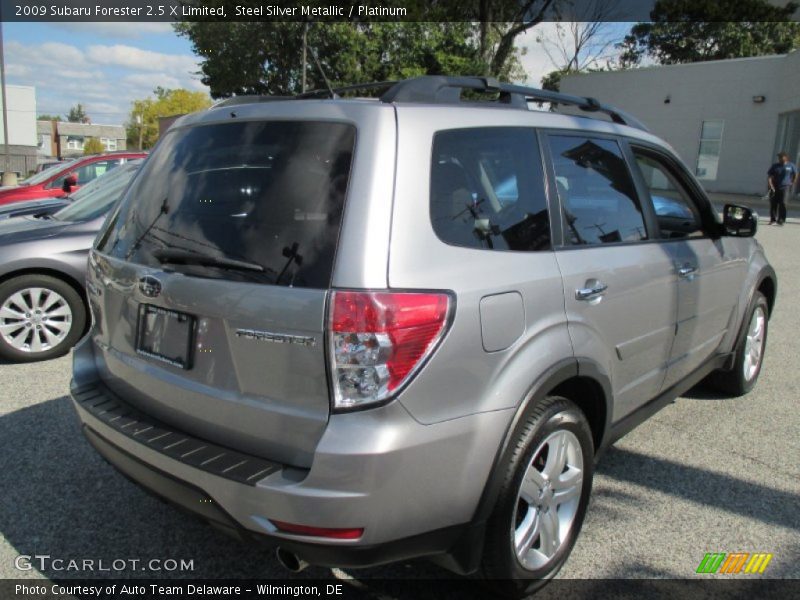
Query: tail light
x=378 y=340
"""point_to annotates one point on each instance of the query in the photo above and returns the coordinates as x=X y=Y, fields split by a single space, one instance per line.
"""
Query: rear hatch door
x=209 y=283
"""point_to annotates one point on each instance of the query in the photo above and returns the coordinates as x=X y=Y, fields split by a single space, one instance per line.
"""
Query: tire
x=744 y=375
x=28 y=336
x=550 y=423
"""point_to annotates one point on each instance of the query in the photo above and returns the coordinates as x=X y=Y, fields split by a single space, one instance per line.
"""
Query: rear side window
x=487 y=189
x=249 y=201
x=596 y=190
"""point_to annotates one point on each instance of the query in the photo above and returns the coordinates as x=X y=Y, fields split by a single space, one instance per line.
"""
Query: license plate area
x=165 y=335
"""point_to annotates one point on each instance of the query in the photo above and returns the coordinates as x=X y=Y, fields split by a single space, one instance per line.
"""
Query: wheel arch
x=581 y=380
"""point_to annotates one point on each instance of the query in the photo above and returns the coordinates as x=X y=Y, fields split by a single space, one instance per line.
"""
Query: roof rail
x=323 y=93
x=439 y=89
x=447 y=90
x=247 y=99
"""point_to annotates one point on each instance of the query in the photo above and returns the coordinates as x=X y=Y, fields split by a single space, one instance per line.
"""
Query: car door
x=710 y=268
x=619 y=286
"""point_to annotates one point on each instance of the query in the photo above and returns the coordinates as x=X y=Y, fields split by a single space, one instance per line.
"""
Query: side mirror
x=70 y=181
x=739 y=221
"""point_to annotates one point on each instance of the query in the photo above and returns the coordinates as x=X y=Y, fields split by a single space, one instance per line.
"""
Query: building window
x=710 y=144
x=109 y=143
x=75 y=142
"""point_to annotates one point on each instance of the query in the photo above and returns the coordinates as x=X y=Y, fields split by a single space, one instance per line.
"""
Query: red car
x=66 y=177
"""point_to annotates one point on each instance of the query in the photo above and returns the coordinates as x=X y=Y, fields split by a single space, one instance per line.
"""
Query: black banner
x=329 y=10
x=704 y=587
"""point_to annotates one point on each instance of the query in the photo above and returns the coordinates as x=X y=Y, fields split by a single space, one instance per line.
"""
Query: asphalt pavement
x=706 y=474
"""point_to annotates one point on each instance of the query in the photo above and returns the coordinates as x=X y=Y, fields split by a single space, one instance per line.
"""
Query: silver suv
x=372 y=329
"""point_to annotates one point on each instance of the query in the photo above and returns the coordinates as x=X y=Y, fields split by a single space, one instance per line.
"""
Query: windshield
x=95 y=199
x=48 y=173
x=266 y=193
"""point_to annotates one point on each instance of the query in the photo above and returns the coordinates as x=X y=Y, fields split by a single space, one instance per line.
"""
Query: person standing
x=781 y=177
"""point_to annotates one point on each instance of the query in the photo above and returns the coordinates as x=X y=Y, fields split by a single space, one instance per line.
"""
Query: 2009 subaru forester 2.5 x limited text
x=372 y=329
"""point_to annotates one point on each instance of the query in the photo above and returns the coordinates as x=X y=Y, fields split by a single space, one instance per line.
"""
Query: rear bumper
x=456 y=540
x=413 y=488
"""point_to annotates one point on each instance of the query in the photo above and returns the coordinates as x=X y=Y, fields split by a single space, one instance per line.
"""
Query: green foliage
x=552 y=81
x=93 y=146
x=166 y=103
x=48 y=118
x=77 y=114
x=266 y=57
x=684 y=31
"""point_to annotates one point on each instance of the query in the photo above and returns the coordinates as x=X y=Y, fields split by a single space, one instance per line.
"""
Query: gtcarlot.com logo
x=46 y=562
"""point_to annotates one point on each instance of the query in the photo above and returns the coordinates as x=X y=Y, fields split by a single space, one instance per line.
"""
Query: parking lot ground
x=706 y=474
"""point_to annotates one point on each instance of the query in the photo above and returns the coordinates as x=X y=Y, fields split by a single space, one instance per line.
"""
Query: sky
x=105 y=66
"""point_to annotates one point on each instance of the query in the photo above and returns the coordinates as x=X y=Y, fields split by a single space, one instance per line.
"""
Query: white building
x=22 y=136
x=727 y=119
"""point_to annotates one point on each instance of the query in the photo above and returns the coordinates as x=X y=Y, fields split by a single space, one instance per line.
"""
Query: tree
x=93 y=146
x=500 y=23
x=77 y=114
x=48 y=118
x=585 y=43
x=266 y=57
x=684 y=31
x=166 y=103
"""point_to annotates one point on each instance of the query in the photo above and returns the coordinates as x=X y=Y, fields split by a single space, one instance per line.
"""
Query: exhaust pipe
x=290 y=561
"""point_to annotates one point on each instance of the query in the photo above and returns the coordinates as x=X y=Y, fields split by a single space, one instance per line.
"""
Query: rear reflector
x=379 y=339
x=324 y=532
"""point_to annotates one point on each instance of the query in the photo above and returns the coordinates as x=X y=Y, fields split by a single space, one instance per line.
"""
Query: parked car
x=48 y=206
x=50 y=183
x=43 y=309
x=45 y=206
x=317 y=323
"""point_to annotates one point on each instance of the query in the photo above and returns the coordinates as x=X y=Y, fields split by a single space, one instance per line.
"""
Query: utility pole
x=8 y=177
x=305 y=49
x=140 y=121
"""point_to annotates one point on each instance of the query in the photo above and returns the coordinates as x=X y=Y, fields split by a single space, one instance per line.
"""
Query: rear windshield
x=249 y=201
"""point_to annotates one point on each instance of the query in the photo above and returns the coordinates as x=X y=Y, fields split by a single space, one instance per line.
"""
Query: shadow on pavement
x=60 y=499
x=758 y=502
x=702 y=392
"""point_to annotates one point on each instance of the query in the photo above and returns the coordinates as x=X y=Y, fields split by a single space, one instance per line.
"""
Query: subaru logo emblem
x=150 y=286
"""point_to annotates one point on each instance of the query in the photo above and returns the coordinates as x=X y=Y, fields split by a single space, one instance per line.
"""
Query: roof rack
x=436 y=89
x=447 y=90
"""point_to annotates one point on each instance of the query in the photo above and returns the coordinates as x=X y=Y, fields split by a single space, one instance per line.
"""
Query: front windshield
x=48 y=173
x=105 y=190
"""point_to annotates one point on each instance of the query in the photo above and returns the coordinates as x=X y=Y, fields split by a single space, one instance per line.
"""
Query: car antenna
x=322 y=72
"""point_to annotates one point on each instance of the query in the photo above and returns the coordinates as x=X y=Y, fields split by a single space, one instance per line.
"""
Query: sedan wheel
x=35 y=320
x=41 y=317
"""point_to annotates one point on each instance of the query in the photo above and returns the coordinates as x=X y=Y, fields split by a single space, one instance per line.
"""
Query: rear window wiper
x=185 y=257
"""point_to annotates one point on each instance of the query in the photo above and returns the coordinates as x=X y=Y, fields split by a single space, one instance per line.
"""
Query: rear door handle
x=687 y=271
x=592 y=292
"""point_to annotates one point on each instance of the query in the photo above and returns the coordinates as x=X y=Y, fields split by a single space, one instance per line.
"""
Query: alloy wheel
x=35 y=319
x=548 y=499
x=754 y=344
